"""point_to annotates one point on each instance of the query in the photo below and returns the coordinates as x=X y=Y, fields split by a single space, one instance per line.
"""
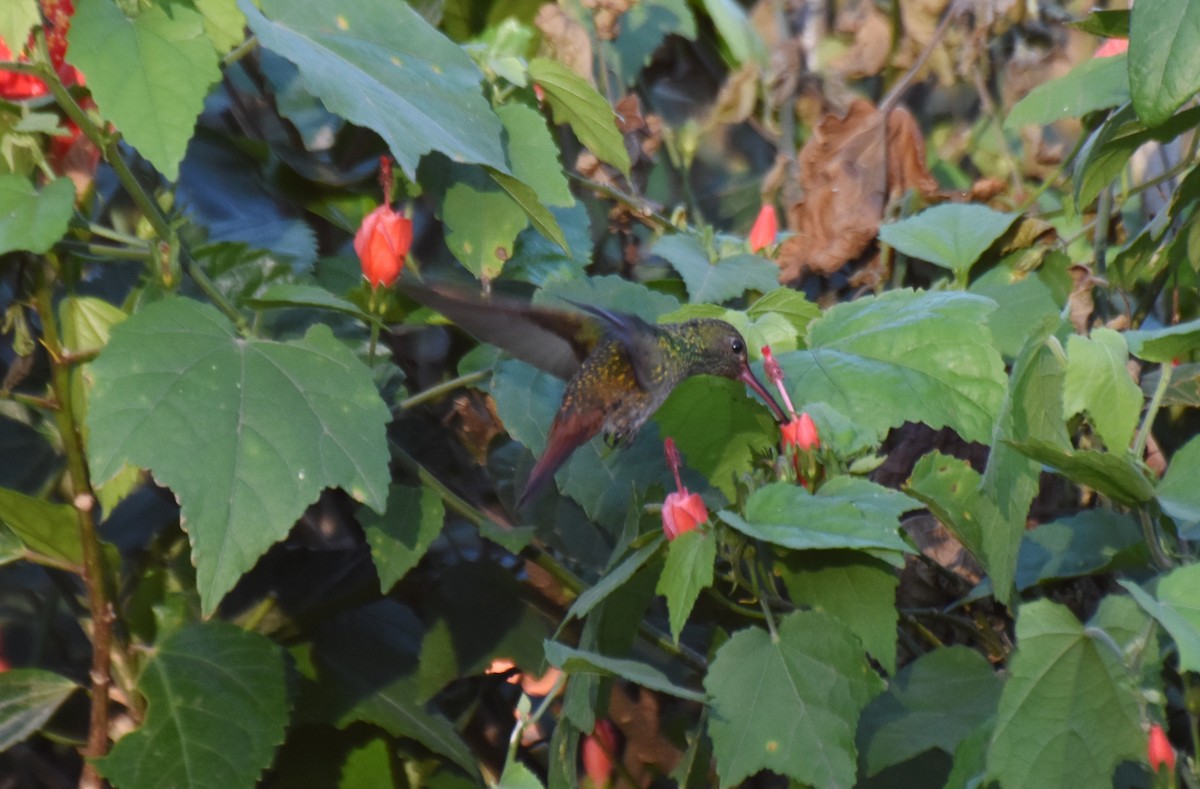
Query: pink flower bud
x=766 y=227
x=1159 y=751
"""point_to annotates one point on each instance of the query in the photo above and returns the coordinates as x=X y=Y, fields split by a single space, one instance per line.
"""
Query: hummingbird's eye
x=738 y=346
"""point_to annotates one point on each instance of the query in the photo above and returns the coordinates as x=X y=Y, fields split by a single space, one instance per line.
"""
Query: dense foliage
x=258 y=515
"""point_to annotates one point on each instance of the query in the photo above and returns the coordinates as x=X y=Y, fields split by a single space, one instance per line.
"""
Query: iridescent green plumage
x=619 y=368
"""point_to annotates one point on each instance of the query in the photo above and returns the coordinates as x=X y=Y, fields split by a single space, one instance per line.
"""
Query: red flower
x=599 y=748
x=682 y=511
x=382 y=243
x=15 y=87
x=801 y=433
x=766 y=226
x=1112 y=46
x=1159 y=751
x=383 y=238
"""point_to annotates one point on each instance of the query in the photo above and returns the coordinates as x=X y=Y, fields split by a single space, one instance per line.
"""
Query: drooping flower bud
x=382 y=243
x=1159 y=752
x=801 y=433
x=599 y=750
x=765 y=228
x=682 y=510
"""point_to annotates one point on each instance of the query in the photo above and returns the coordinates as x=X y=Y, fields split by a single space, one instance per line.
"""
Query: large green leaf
x=223 y=23
x=17 y=18
x=950 y=488
x=688 y=571
x=1032 y=408
x=1110 y=147
x=789 y=704
x=1115 y=476
x=483 y=247
x=715 y=280
x=934 y=702
x=857 y=589
x=246 y=432
x=381 y=65
x=31 y=220
x=1164 y=57
x=576 y=661
x=28 y=697
x=1068 y=713
x=1178 y=609
x=613 y=580
x=951 y=235
x=1089 y=542
x=1098 y=382
x=216 y=711
x=401 y=535
x=1092 y=85
x=901 y=357
x=846 y=512
x=718 y=428
x=534 y=157
x=577 y=104
x=149 y=73
x=1178 y=493
x=1025 y=298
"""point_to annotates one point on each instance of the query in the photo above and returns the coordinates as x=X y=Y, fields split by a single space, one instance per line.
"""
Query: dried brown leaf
x=872 y=45
x=842 y=172
x=566 y=39
x=1080 y=304
x=737 y=97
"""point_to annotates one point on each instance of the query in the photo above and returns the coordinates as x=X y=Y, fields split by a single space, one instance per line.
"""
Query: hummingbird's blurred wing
x=556 y=341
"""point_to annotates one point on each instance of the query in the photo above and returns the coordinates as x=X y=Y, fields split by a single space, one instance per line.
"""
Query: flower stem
x=1160 y=391
x=84 y=499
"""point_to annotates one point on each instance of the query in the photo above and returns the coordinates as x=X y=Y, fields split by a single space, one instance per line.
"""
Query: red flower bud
x=801 y=433
x=599 y=748
x=1159 y=751
x=1112 y=46
x=766 y=226
x=682 y=512
x=382 y=243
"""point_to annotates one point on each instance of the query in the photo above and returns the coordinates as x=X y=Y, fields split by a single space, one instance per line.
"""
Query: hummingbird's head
x=719 y=349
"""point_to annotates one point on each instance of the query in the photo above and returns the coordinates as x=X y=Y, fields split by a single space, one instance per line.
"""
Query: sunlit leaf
x=401 y=535
x=577 y=104
x=33 y=220
x=1164 y=57
x=28 y=697
x=1177 y=609
x=1178 y=492
x=1098 y=382
x=1092 y=85
x=688 y=571
x=950 y=235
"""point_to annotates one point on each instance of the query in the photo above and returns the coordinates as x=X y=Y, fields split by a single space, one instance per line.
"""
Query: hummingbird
x=618 y=367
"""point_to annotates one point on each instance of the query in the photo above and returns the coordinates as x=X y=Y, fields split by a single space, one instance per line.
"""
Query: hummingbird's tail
x=566 y=435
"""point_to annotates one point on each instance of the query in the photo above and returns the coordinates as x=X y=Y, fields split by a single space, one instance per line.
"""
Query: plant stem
x=84 y=499
x=109 y=146
x=1160 y=391
x=1150 y=535
x=436 y=392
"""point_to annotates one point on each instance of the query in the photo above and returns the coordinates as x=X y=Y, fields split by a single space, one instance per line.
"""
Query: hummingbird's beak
x=747 y=377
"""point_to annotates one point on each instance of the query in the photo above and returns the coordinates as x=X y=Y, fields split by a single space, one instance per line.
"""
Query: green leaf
x=789 y=304
x=846 y=512
x=643 y=29
x=577 y=104
x=613 y=580
x=951 y=490
x=30 y=220
x=401 y=535
x=534 y=157
x=384 y=67
x=149 y=74
x=715 y=281
x=933 y=347
x=576 y=661
x=369 y=765
x=1032 y=408
x=1068 y=713
x=1165 y=345
x=718 y=428
x=1178 y=493
x=789 y=704
x=1098 y=382
x=1109 y=148
x=517 y=776
x=688 y=571
x=1090 y=542
x=223 y=23
x=950 y=235
x=365 y=659
x=1177 y=609
x=858 y=590
x=288 y=295
x=1092 y=85
x=216 y=711
x=737 y=32
x=608 y=291
x=483 y=247
x=17 y=18
x=179 y=392
x=1115 y=476
x=87 y=322
x=1025 y=299
x=28 y=697
x=49 y=529
x=1164 y=57
x=934 y=702
x=1106 y=24
x=530 y=202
